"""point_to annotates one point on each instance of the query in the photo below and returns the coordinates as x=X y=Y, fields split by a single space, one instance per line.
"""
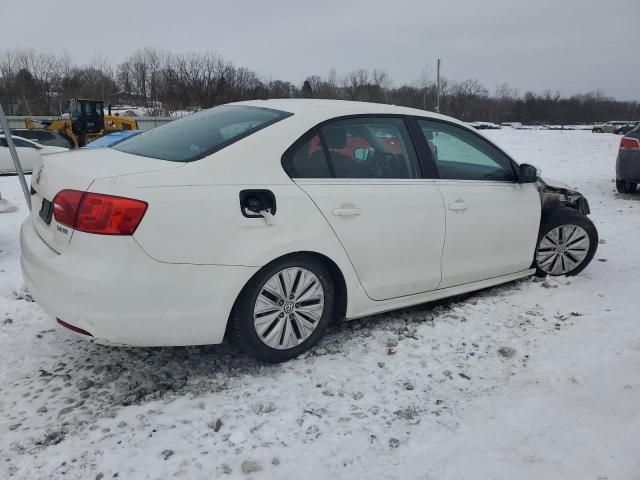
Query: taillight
x=97 y=213
x=628 y=143
x=65 y=206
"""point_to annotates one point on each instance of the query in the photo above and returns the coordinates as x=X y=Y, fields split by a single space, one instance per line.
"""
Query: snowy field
x=531 y=380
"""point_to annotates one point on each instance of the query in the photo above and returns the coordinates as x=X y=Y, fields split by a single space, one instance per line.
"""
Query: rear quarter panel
x=204 y=225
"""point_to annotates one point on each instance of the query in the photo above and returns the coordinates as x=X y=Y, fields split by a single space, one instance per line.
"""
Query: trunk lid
x=77 y=170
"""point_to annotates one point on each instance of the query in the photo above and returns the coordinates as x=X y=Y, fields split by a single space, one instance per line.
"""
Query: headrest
x=336 y=137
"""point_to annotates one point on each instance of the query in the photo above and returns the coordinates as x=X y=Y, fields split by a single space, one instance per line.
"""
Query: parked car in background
x=628 y=162
x=608 y=127
x=112 y=139
x=266 y=220
x=43 y=137
x=623 y=129
x=29 y=153
x=485 y=125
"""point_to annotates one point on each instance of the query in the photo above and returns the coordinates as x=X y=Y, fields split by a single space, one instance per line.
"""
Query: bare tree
x=165 y=82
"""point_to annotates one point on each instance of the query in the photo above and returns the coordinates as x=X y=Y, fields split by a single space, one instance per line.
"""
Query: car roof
x=337 y=108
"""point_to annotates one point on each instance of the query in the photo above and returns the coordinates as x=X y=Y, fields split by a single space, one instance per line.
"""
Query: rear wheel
x=284 y=310
x=567 y=243
x=625 y=187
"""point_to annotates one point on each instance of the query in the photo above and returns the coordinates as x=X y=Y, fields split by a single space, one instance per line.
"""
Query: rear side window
x=370 y=147
x=201 y=134
x=309 y=160
x=362 y=147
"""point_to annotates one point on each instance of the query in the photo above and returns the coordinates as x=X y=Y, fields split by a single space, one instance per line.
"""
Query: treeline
x=161 y=82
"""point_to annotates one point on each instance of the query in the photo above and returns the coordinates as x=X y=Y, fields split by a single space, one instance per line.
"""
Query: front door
x=492 y=221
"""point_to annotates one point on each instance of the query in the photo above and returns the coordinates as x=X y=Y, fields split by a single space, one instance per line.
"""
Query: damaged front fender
x=554 y=194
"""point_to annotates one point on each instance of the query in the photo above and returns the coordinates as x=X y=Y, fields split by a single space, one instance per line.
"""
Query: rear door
x=363 y=174
x=492 y=221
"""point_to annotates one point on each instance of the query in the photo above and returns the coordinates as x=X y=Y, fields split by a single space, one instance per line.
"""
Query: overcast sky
x=567 y=45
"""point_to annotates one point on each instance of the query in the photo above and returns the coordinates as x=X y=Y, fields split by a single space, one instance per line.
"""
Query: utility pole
x=438 y=87
x=14 y=154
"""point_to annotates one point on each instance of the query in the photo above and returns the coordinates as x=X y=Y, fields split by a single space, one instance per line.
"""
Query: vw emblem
x=288 y=307
x=39 y=174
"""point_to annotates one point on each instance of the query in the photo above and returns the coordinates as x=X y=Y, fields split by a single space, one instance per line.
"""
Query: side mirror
x=527 y=173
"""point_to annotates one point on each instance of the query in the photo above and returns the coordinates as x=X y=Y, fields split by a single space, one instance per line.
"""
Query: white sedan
x=29 y=153
x=267 y=220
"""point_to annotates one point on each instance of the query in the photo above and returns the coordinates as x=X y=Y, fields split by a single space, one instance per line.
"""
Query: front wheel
x=567 y=243
x=284 y=309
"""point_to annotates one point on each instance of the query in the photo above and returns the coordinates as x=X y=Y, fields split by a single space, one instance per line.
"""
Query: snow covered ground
x=531 y=380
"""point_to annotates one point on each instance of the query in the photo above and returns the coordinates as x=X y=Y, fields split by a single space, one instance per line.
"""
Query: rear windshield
x=201 y=134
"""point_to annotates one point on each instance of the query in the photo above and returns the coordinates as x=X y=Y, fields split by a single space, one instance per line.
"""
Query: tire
x=271 y=326
x=567 y=242
x=625 y=187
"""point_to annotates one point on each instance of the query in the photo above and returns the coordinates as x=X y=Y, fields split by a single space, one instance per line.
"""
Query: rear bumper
x=110 y=288
x=628 y=166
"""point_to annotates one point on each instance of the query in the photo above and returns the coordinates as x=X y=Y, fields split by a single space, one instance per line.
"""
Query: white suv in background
x=608 y=127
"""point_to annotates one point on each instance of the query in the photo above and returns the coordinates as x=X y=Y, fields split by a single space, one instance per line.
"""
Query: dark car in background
x=624 y=129
x=628 y=162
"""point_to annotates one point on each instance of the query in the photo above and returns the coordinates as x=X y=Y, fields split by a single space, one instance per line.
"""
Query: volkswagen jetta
x=266 y=220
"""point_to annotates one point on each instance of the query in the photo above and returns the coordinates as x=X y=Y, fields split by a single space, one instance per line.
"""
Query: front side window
x=462 y=155
x=201 y=134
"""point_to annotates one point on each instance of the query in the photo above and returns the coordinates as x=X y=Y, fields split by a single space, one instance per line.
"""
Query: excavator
x=86 y=122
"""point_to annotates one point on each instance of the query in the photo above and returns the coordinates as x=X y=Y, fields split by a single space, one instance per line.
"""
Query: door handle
x=458 y=206
x=345 y=211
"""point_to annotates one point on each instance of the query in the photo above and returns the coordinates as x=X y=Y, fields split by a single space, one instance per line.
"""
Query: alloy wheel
x=562 y=249
x=288 y=308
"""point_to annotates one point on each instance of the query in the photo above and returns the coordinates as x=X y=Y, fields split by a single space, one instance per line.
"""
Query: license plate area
x=46 y=211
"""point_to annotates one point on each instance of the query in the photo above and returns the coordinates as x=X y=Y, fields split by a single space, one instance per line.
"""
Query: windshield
x=201 y=134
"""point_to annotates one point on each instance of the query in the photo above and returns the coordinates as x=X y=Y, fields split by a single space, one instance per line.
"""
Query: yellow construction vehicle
x=86 y=122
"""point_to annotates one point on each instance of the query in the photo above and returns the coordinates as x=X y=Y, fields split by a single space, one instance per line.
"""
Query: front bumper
x=109 y=287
